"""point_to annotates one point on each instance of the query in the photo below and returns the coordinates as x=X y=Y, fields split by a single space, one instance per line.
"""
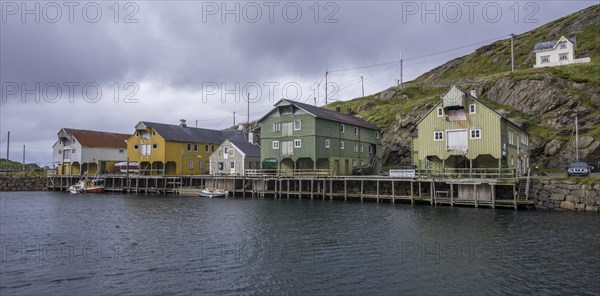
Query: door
x=336 y=167
x=287 y=148
x=457 y=140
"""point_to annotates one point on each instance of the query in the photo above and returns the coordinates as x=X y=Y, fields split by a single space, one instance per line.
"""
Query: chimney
x=251 y=137
x=349 y=111
x=182 y=123
x=337 y=109
x=473 y=93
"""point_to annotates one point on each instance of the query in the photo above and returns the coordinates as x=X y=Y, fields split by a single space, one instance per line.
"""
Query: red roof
x=99 y=139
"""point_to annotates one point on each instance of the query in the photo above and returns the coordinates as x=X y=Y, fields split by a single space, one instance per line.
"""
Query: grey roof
x=176 y=133
x=550 y=44
x=251 y=150
x=332 y=115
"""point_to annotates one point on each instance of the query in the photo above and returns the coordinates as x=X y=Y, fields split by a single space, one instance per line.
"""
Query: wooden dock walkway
x=477 y=192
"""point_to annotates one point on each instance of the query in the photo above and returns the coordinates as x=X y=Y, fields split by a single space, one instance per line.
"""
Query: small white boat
x=213 y=193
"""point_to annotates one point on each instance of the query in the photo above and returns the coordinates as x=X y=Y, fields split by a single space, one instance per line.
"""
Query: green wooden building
x=462 y=132
x=297 y=136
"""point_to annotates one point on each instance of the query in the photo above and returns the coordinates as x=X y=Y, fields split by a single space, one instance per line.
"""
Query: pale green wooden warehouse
x=460 y=132
x=298 y=136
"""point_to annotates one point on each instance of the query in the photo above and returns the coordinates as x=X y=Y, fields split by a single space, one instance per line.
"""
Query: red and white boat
x=86 y=185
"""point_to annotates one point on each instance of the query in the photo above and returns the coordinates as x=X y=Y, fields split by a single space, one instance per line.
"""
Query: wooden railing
x=289 y=173
x=475 y=173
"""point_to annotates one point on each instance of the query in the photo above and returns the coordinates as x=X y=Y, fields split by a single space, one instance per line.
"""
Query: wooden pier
x=474 y=191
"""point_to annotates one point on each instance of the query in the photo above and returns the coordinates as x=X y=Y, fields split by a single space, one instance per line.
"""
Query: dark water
x=56 y=243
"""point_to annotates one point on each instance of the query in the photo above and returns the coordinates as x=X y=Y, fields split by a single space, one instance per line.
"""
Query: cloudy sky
x=106 y=65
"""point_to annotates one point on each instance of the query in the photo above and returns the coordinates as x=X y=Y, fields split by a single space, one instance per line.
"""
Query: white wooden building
x=557 y=53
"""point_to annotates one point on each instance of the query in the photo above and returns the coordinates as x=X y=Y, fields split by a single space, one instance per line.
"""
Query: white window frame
x=436 y=134
x=136 y=147
x=473 y=109
x=232 y=165
x=327 y=143
x=475 y=133
x=154 y=146
x=511 y=140
x=342 y=145
x=297 y=143
x=195 y=147
x=376 y=134
x=275 y=144
x=525 y=140
x=545 y=59
x=277 y=127
x=205 y=148
x=231 y=152
x=362 y=148
x=342 y=128
x=440 y=111
x=563 y=56
x=190 y=164
x=355 y=147
x=356 y=131
x=370 y=149
x=200 y=164
x=354 y=163
x=189 y=147
x=299 y=123
x=562 y=44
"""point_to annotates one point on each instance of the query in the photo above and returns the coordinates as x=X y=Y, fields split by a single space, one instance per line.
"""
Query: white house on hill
x=557 y=53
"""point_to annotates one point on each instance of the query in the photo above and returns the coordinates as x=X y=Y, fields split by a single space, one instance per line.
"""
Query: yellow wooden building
x=165 y=149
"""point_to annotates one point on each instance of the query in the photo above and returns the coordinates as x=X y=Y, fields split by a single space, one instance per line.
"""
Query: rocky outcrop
x=565 y=195
x=23 y=184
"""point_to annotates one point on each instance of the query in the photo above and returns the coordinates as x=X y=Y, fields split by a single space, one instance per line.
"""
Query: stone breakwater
x=23 y=184
x=556 y=194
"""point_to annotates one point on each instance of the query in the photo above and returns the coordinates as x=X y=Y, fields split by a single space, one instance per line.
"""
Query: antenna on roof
x=512 y=53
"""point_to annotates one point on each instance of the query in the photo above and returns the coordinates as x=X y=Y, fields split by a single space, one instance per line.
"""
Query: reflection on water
x=55 y=243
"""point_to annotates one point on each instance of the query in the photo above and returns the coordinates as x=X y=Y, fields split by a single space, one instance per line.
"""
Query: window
x=342 y=145
x=362 y=148
x=231 y=152
x=154 y=146
x=355 y=147
x=440 y=112
x=511 y=135
x=327 y=143
x=220 y=165
x=191 y=164
x=200 y=164
x=67 y=154
x=60 y=151
x=137 y=134
x=145 y=135
x=153 y=133
x=220 y=152
x=377 y=135
x=145 y=149
x=524 y=140
x=73 y=151
x=297 y=143
x=472 y=108
x=438 y=136
x=275 y=144
x=195 y=147
x=370 y=148
x=545 y=59
x=341 y=128
x=226 y=150
x=354 y=163
x=232 y=165
x=277 y=127
x=563 y=44
x=205 y=148
x=297 y=125
x=362 y=163
x=355 y=131
x=212 y=148
x=563 y=56
x=120 y=151
x=476 y=133
x=189 y=147
x=135 y=147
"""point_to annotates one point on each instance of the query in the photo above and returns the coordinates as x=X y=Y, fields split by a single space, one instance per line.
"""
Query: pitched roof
x=89 y=138
x=323 y=113
x=550 y=44
x=251 y=150
x=177 y=133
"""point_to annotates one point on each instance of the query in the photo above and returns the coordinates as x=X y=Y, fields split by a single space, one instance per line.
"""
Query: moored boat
x=213 y=193
x=86 y=185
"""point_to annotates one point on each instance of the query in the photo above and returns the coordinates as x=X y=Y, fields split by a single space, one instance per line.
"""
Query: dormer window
x=286 y=110
x=562 y=44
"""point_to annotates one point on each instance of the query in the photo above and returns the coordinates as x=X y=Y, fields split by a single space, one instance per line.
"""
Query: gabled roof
x=470 y=97
x=177 y=133
x=327 y=114
x=551 y=44
x=249 y=149
x=98 y=139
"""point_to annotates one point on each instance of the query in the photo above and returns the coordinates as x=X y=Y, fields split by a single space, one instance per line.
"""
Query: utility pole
x=576 y=140
x=248 y=107
x=326 y=73
x=401 y=70
x=512 y=52
x=315 y=101
x=362 y=83
x=233 y=118
x=7 y=150
x=23 y=158
x=196 y=123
